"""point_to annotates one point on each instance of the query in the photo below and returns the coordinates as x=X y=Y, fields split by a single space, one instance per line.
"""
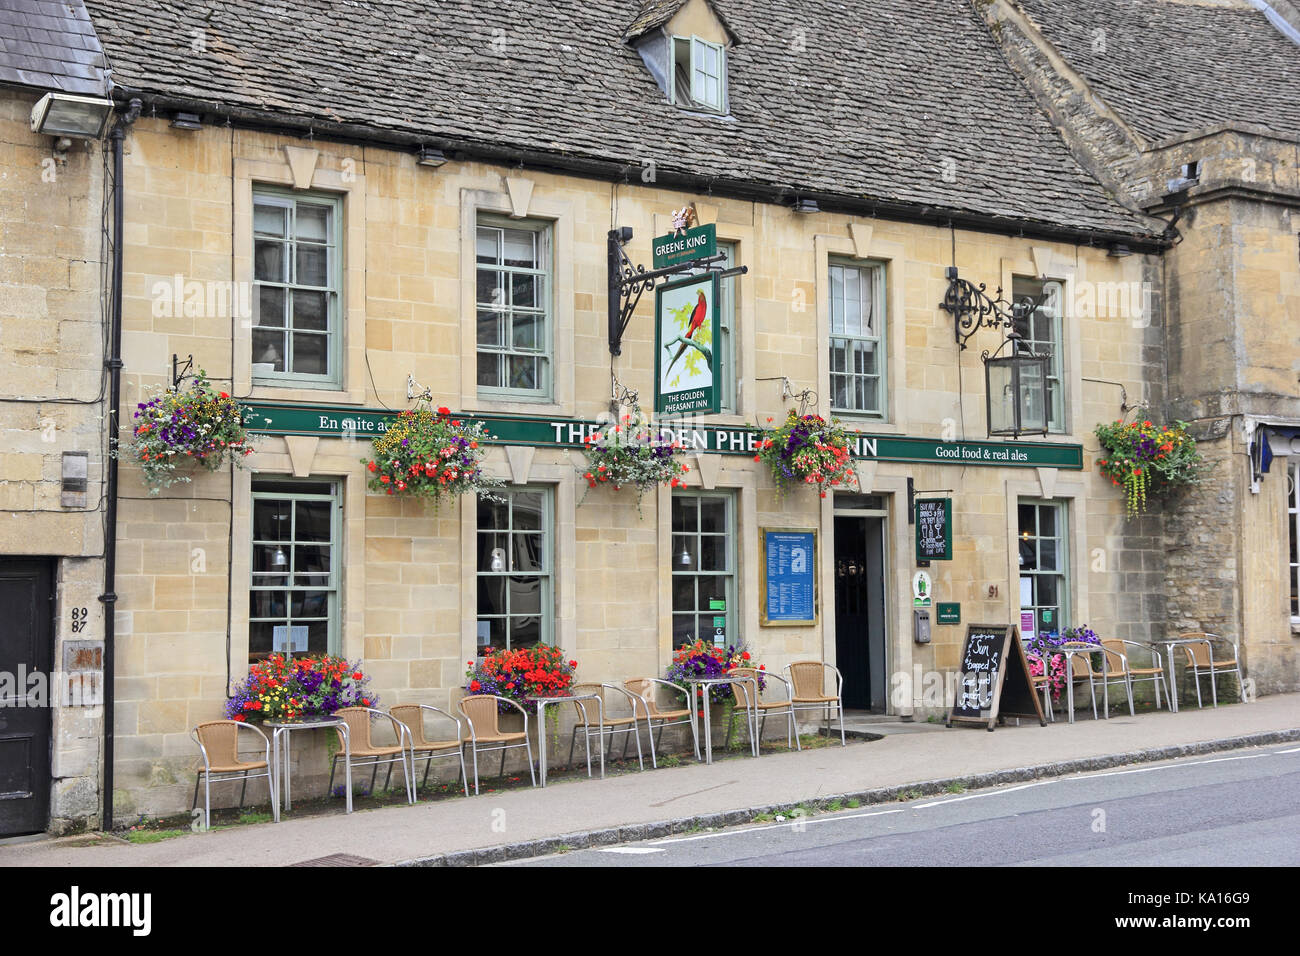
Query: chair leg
x=640 y=756
x=840 y=705
x=1214 y=680
x=573 y=741
x=243 y=790
x=474 y=751
x=1128 y=684
x=334 y=764
x=1196 y=676
x=529 y=745
x=502 y=774
x=388 y=777
x=373 y=774
x=463 y=775
x=207 y=801
x=198 y=778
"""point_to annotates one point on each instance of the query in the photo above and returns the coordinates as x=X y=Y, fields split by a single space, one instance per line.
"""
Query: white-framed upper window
x=514 y=311
x=297 y=336
x=857 y=340
x=293 y=599
x=699 y=74
x=1042 y=332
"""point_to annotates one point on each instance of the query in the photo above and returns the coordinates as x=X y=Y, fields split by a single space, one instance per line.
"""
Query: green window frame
x=704 y=568
x=294 y=581
x=297 y=336
x=858 y=361
x=1043 y=541
x=1043 y=333
x=699 y=74
x=514 y=290
x=726 y=348
x=514 y=544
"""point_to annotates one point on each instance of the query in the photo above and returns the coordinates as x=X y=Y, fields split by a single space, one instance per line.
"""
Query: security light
x=807 y=206
x=431 y=157
x=76 y=117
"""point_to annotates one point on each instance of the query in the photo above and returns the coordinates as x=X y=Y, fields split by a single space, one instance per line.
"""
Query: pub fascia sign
x=323 y=421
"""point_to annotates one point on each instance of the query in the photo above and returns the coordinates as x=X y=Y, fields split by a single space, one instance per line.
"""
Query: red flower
x=573 y=663
x=223 y=394
x=357 y=675
x=444 y=410
x=475 y=686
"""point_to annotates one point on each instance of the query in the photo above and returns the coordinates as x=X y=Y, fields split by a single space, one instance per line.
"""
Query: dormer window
x=684 y=45
x=699 y=74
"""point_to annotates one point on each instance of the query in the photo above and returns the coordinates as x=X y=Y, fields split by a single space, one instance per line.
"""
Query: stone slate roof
x=852 y=98
x=656 y=13
x=1169 y=67
x=50 y=44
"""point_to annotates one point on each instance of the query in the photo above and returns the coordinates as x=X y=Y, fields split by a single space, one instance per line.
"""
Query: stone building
x=406 y=170
x=1211 y=142
x=53 y=398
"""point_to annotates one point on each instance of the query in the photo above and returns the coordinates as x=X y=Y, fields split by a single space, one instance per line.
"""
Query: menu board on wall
x=934 y=529
x=789 y=576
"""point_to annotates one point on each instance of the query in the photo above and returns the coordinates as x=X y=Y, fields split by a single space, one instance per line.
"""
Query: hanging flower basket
x=632 y=452
x=284 y=688
x=538 y=671
x=806 y=450
x=179 y=432
x=428 y=454
x=1148 y=460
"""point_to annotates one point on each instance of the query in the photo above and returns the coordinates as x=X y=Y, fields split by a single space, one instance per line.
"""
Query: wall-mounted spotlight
x=72 y=117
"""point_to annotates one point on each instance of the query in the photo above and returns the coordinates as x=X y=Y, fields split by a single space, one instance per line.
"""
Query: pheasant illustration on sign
x=697 y=319
x=686 y=343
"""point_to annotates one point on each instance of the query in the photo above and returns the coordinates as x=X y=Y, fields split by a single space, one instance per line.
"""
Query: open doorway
x=860 y=600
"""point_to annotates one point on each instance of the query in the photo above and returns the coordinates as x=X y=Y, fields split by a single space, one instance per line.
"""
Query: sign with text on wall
x=687 y=357
x=788 y=572
x=697 y=243
x=343 y=421
x=934 y=529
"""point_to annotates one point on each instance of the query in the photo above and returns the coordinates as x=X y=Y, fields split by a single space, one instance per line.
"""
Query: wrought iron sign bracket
x=628 y=282
x=973 y=309
x=181 y=372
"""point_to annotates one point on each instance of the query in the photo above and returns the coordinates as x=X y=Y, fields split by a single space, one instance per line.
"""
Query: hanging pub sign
x=788 y=572
x=678 y=247
x=994 y=681
x=686 y=357
x=934 y=529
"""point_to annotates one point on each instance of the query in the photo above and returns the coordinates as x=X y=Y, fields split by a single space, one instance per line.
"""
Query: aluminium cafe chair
x=1118 y=660
x=596 y=720
x=218 y=742
x=1080 y=672
x=807 y=680
x=1043 y=682
x=481 y=712
x=643 y=689
x=428 y=748
x=365 y=753
x=1204 y=657
x=750 y=697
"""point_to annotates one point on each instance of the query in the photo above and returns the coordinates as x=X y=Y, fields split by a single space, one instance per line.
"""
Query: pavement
x=907 y=760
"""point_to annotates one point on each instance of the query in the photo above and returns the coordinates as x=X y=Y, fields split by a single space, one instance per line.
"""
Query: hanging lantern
x=1016 y=390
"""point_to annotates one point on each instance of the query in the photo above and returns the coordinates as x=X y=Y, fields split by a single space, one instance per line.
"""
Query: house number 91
x=79 y=617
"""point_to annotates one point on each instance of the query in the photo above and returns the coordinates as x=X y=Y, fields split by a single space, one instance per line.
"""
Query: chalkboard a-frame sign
x=994 y=674
x=933 y=529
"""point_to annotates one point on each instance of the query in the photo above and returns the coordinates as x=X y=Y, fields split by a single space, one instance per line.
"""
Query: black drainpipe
x=114 y=364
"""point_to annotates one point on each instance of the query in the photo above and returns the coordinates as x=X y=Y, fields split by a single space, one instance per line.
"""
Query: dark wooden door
x=852 y=611
x=26 y=649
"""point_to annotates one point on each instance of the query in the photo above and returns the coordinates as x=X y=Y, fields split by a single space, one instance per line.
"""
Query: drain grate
x=338 y=859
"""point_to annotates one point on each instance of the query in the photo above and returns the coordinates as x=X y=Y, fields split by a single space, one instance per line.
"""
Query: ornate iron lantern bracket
x=628 y=282
x=973 y=309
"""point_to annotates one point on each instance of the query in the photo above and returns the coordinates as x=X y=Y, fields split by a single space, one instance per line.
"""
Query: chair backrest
x=1114 y=651
x=743 y=688
x=358 y=721
x=1198 y=655
x=220 y=738
x=481 y=711
x=809 y=679
x=644 y=687
x=1081 y=665
x=413 y=717
x=582 y=690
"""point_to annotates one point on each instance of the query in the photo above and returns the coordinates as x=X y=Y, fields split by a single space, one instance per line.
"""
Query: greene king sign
x=365 y=424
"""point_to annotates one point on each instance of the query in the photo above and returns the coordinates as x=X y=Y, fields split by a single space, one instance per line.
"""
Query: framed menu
x=788 y=573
